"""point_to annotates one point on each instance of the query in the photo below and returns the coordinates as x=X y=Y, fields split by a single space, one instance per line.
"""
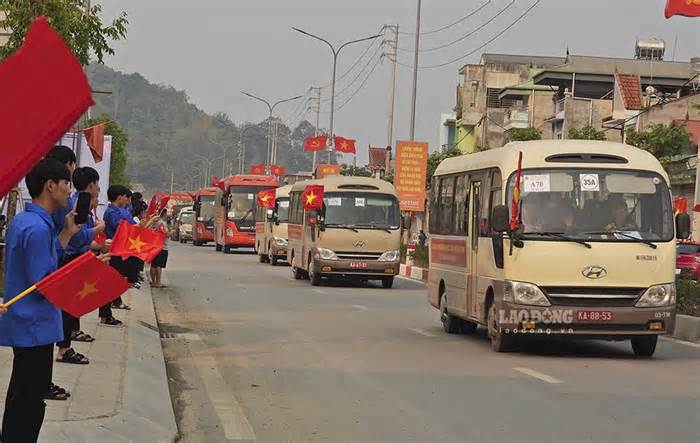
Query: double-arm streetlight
x=271 y=108
x=241 y=149
x=336 y=52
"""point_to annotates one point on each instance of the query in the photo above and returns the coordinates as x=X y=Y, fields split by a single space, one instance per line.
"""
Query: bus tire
x=500 y=342
x=387 y=282
x=450 y=323
x=298 y=273
x=644 y=346
x=219 y=247
x=272 y=259
x=227 y=249
x=262 y=258
x=196 y=243
x=313 y=276
x=467 y=327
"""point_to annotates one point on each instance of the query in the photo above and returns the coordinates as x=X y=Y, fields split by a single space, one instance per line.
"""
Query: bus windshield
x=283 y=210
x=241 y=204
x=595 y=205
x=361 y=210
x=206 y=210
x=186 y=218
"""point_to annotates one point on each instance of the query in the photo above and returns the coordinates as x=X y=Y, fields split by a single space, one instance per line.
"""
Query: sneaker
x=111 y=321
x=136 y=285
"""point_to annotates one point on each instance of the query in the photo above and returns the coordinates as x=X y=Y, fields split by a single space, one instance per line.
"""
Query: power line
x=359 y=74
x=464 y=37
x=362 y=85
x=462 y=57
x=466 y=17
x=359 y=59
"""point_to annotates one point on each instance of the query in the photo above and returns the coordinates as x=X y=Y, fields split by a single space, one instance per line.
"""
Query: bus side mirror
x=270 y=215
x=312 y=218
x=499 y=218
x=682 y=226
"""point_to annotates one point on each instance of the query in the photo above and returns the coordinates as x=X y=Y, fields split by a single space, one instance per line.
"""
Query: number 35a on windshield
x=589 y=182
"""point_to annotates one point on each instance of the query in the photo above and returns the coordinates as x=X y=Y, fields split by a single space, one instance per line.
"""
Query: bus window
x=283 y=210
x=446 y=203
x=434 y=217
x=461 y=205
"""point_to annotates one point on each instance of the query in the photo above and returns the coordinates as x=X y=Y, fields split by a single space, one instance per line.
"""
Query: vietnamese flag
x=158 y=202
x=277 y=170
x=345 y=145
x=101 y=238
x=687 y=8
x=217 y=182
x=44 y=92
x=83 y=285
x=316 y=143
x=515 y=204
x=258 y=169
x=312 y=197
x=266 y=198
x=95 y=137
x=135 y=241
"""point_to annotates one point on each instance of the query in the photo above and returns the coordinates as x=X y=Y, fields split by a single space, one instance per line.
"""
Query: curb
x=414 y=272
x=687 y=328
x=147 y=412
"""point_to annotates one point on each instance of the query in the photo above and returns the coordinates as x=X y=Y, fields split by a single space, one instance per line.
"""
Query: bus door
x=473 y=247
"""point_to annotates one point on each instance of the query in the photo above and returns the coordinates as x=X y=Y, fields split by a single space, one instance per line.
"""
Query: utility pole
x=415 y=74
x=172 y=180
x=393 y=57
x=316 y=107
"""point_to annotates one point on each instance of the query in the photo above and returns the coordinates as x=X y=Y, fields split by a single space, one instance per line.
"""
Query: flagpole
x=19 y=296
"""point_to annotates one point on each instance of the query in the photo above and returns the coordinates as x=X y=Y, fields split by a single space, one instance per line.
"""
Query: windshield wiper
x=561 y=236
x=623 y=234
x=375 y=226
x=336 y=225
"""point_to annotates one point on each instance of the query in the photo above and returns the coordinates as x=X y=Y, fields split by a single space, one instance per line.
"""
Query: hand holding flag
x=137 y=241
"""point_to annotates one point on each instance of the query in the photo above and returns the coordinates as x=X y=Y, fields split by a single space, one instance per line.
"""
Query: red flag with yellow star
x=83 y=285
x=266 y=198
x=345 y=145
x=135 y=241
x=688 y=8
x=312 y=197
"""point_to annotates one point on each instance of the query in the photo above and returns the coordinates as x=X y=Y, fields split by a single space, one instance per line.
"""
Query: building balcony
x=517 y=118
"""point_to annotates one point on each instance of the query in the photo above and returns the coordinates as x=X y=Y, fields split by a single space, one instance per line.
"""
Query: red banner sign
x=448 y=252
x=409 y=179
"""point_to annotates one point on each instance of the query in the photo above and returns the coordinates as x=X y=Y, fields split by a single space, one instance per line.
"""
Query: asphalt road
x=253 y=354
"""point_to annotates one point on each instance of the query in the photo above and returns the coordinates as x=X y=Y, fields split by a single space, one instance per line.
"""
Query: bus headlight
x=389 y=256
x=229 y=232
x=280 y=241
x=659 y=295
x=325 y=254
x=524 y=294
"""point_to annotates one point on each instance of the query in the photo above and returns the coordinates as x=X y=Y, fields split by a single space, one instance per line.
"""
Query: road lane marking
x=539 y=375
x=681 y=342
x=320 y=291
x=233 y=420
x=422 y=332
x=360 y=307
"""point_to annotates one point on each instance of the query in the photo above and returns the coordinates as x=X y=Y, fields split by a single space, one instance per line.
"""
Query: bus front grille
x=593 y=296
x=358 y=256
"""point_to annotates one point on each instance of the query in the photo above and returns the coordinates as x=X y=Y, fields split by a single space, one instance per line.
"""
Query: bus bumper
x=279 y=251
x=615 y=323
x=356 y=268
x=240 y=240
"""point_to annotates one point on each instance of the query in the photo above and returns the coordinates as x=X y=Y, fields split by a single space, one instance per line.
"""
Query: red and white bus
x=234 y=221
x=203 y=207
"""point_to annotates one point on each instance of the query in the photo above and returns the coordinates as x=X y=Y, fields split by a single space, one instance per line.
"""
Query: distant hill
x=167 y=132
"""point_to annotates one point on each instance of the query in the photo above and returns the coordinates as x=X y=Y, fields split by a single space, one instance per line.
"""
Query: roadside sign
x=409 y=179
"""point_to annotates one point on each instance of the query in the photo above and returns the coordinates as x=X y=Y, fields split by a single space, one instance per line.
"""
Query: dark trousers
x=29 y=384
x=70 y=324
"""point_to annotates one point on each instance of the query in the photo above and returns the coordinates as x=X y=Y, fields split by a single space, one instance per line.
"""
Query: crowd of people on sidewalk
x=40 y=240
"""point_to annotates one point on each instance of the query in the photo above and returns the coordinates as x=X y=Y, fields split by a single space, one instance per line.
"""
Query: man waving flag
x=312 y=197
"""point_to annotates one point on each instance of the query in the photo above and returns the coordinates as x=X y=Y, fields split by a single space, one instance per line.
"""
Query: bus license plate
x=596 y=316
x=358 y=265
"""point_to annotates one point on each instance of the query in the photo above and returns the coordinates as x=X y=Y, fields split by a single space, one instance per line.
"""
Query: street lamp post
x=241 y=149
x=271 y=108
x=331 y=138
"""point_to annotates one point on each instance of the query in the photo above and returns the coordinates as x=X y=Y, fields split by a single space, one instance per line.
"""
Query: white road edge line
x=539 y=375
x=681 y=342
x=422 y=332
x=320 y=291
x=360 y=307
x=233 y=420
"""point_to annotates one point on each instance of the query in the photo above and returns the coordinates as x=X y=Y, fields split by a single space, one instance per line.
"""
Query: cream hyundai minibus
x=357 y=233
x=271 y=228
x=593 y=255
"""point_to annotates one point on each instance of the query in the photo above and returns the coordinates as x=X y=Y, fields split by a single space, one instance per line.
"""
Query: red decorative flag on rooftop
x=218 y=183
x=687 y=8
x=96 y=140
x=345 y=145
x=316 y=143
x=258 y=169
x=266 y=198
x=44 y=91
x=277 y=170
x=312 y=197
x=135 y=241
x=515 y=205
x=83 y=285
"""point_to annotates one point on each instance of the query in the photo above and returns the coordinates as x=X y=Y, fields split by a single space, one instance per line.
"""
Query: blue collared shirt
x=112 y=216
x=30 y=256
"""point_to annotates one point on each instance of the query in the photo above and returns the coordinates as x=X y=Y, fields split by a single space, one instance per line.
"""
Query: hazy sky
x=213 y=49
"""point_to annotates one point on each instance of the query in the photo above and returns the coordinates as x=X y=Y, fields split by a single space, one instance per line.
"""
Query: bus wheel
x=298 y=273
x=262 y=258
x=272 y=259
x=500 y=342
x=313 y=276
x=644 y=346
x=227 y=249
x=196 y=243
x=387 y=282
x=218 y=247
x=450 y=323
x=467 y=327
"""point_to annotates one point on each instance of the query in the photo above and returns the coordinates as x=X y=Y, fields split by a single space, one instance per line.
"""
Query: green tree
x=117 y=166
x=661 y=141
x=586 y=133
x=356 y=171
x=524 y=134
x=81 y=27
x=436 y=158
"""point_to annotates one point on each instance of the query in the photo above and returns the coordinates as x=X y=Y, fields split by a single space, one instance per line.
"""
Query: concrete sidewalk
x=122 y=395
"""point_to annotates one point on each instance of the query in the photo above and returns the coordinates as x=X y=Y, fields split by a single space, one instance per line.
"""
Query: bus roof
x=336 y=183
x=283 y=191
x=251 y=180
x=205 y=191
x=583 y=154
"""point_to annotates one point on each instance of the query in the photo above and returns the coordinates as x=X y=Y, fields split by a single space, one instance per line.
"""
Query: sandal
x=81 y=336
x=56 y=393
x=122 y=306
x=70 y=356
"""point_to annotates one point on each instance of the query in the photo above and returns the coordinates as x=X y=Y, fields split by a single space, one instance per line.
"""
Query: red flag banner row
x=277 y=170
x=344 y=145
x=257 y=169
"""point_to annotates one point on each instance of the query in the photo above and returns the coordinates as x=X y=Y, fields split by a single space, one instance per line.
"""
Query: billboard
x=409 y=176
x=323 y=171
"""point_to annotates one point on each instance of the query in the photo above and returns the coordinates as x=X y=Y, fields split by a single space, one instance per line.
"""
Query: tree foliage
x=524 y=134
x=586 y=133
x=662 y=141
x=436 y=157
x=117 y=166
x=82 y=29
x=355 y=171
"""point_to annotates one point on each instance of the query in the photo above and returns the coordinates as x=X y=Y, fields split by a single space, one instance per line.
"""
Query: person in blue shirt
x=32 y=325
x=85 y=179
x=65 y=155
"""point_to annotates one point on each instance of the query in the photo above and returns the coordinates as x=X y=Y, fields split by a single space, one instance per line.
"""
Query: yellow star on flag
x=136 y=244
x=344 y=145
x=264 y=198
x=89 y=288
x=310 y=198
